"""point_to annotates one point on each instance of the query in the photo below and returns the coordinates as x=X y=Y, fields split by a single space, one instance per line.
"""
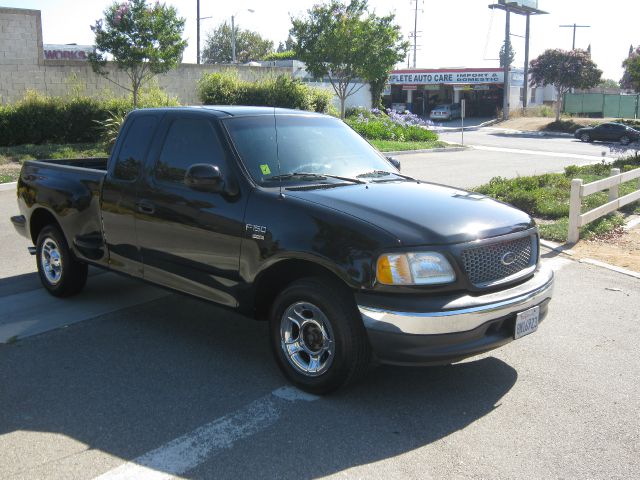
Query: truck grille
x=485 y=264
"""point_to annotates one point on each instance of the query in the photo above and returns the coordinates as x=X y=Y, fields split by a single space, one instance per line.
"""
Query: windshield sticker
x=265 y=169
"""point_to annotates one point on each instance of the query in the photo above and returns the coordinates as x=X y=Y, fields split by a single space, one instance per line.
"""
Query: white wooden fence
x=580 y=190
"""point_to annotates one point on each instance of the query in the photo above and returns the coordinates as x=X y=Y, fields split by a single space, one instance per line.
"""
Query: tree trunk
x=342 y=109
x=558 y=104
x=135 y=95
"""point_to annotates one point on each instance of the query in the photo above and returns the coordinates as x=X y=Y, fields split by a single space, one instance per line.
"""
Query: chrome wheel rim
x=51 y=261
x=585 y=137
x=306 y=339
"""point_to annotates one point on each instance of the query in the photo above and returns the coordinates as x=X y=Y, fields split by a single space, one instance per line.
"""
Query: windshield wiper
x=382 y=173
x=319 y=176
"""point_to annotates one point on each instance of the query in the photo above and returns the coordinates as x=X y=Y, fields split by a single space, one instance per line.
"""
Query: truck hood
x=419 y=213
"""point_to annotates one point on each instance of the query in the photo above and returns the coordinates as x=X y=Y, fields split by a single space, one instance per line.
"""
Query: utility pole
x=507 y=42
x=198 y=34
x=574 y=26
x=415 y=33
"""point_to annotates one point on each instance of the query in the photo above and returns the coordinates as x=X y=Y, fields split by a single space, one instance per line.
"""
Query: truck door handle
x=146 y=207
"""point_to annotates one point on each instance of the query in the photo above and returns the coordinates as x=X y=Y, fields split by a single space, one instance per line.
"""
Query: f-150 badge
x=256 y=231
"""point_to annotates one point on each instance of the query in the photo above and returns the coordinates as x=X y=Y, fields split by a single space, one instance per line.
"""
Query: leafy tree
x=281 y=48
x=250 y=46
x=631 y=78
x=348 y=45
x=608 y=83
x=564 y=70
x=507 y=54
x=286 y=55
x=143 y=41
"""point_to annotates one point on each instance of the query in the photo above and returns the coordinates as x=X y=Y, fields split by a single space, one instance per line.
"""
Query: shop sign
x=409 y=87
x=67 y=52
x=436 y=78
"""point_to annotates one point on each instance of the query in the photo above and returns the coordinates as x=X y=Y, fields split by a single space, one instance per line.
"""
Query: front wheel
x=317 y=335
x=585 y=137
x=60 y=273
x=625 y=140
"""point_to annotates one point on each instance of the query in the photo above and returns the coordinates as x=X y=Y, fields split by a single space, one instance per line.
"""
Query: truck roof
x=230 y=110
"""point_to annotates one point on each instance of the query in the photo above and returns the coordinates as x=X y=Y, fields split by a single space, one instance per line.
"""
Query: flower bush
x=375 y=124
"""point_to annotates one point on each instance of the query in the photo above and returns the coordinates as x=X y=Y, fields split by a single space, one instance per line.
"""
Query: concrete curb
x=8 y=186
x=535 y=133
x=427 y=150
x=613 y=268
x=469 y=128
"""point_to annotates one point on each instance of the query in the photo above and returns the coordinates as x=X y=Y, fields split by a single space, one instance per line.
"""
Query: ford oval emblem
x=508 y=258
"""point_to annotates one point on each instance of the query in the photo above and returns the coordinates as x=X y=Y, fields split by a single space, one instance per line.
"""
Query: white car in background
x=446 y=112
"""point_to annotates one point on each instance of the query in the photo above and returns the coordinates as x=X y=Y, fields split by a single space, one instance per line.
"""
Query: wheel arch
x=40 y=218
x=275 y=278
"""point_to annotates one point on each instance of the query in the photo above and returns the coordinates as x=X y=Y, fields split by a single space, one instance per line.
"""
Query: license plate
x=527 y=322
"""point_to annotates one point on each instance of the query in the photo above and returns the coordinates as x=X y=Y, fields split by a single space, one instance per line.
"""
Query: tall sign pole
x=415 y=34
x=518 y=7
x=526 y=63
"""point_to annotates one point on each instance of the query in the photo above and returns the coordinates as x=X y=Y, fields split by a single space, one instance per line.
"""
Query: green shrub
x=384 y=129
x=40 y=119
x=564 y=126
x=287 y=55
x=226 y=88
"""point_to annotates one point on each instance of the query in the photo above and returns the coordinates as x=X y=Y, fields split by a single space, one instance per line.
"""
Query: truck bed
x=70 y=190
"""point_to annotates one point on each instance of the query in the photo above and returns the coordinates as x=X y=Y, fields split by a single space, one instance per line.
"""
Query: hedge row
x=42 y=119
x=226 y=88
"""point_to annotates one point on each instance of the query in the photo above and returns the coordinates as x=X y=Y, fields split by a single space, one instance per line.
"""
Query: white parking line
x=543 y=153
x=190 y=450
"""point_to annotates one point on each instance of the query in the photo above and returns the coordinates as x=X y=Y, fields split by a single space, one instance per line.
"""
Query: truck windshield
x=301 y=149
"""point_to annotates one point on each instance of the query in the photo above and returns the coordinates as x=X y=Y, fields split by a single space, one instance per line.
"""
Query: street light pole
x=526 y=63
x=233 y=40
x=233 y=34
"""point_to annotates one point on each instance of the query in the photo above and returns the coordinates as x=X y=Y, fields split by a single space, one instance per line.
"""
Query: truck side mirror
x=205 y=177
x=395 y=162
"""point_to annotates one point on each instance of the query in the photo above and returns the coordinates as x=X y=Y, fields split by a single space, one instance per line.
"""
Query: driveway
x=129 y=381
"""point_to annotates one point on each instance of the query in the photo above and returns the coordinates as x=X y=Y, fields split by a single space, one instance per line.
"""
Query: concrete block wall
x=22 y=67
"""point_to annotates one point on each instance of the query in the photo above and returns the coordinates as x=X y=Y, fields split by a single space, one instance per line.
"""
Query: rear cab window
x=133 y=149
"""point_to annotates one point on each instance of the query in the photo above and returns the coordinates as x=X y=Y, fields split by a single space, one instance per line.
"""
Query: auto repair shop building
x=420 y=90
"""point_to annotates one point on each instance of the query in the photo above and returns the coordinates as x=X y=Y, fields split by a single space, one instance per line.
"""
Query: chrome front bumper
x=464 y=313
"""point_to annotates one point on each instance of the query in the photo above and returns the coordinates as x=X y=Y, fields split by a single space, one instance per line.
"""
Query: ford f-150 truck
x=293 y=218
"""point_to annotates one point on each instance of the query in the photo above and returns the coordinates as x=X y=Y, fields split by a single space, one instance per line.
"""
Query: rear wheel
x=585 y=137
x=60 y=273
x=625 y=140
x=317 y=335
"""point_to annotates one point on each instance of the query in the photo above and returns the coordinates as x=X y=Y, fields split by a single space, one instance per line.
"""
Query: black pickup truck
x=293 y=218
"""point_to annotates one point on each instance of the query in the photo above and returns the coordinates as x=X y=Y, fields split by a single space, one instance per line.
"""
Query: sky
x=452 y=33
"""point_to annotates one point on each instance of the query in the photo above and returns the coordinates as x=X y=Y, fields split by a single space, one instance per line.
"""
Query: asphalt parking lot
x=129 y=381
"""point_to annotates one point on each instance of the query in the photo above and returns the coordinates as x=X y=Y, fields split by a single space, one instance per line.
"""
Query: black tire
x=625 y=140
x=351 y=353
x=585 y=137
x=60 y=272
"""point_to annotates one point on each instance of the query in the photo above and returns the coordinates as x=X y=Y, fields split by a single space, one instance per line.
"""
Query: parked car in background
x=608 y=132
x=446 y=112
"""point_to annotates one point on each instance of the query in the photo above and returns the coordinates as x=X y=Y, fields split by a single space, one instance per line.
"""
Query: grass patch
x=396 y=146
x=8 y=177
x=20 y=153
x=546 y=197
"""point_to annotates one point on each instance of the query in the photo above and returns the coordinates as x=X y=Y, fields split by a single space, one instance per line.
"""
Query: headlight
x=425 y=268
